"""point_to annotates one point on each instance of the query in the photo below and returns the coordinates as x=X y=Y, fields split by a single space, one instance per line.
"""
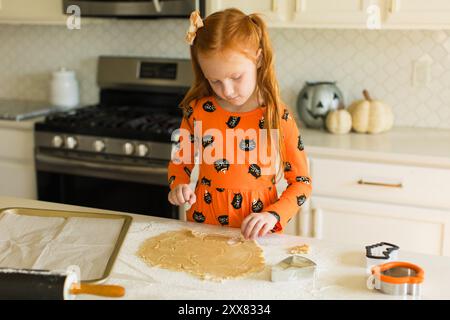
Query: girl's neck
x=251 y=104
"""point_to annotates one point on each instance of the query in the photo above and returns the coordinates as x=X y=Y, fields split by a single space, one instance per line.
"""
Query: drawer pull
x=381 y=184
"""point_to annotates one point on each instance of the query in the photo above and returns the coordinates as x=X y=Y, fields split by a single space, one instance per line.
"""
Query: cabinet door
x=417 y=14
x=17 y=180
x=32 y=11
x=337 y=14
x=364 y=223
x=273 y=11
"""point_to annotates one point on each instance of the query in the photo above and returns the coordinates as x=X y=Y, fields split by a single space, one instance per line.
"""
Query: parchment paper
x=56 y=243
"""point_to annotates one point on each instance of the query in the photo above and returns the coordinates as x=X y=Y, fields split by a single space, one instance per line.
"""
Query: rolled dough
x=208 y=256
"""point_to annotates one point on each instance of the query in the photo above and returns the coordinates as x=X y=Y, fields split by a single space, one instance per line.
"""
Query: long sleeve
x=182 y=159
x=295 y=172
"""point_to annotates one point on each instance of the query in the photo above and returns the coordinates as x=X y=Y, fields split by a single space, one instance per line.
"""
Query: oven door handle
x=101 y=166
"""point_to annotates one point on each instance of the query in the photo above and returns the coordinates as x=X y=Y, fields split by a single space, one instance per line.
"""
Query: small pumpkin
x=371 y=116
x=339 y=121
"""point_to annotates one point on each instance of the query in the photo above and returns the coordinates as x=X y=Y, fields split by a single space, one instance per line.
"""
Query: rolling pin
x=29 y=284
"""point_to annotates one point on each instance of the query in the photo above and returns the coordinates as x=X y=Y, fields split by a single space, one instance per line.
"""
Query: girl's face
x=231 y=74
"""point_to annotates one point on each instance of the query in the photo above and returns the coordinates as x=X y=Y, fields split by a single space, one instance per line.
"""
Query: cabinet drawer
x=388 y=183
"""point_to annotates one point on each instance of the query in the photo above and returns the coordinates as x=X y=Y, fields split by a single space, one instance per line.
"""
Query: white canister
x=64 y=91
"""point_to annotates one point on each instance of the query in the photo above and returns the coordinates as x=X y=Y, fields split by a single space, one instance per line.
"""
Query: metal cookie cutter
x=380 y=253
x=397 y=278
x=294 y=268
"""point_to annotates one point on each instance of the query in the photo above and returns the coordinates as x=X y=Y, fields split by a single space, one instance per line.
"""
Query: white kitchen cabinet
x=363 y=223
x=17 y=170
x=302 y=13
x=32 y=12
x=273 y=11
x=335 y=14
x=366 y=202
x=413 y=14
x=358 y=14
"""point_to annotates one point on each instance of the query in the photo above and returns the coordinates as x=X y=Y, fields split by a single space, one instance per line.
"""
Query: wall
x=380 y=61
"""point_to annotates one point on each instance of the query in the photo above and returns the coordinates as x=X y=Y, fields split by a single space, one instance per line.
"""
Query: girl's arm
x=182 y=162
x=296 y=173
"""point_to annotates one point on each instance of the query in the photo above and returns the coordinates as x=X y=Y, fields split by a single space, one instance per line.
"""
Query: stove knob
x=99 y=145
x=71 y=142
x=57 y=141
x=142 y=150
x=128 y=148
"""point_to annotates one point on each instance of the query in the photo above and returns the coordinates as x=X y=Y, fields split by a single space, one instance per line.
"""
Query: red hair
x=230 y=29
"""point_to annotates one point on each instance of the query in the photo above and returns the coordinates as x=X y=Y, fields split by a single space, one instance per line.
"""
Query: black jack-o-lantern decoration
x=301 y=200
x=189 y=112
x=300 y=144
x=257 y=205
x=188 y=172
x=207 y=197
x=261 y=123
x=287 y=166
x=233 y=121
x=223 y=220
x=285 y=115
x=208 y=106
x=220 y=189
x=221 y=165
x=237 y=201
x=198 y=217
x=303 y=179
x=207 y=141
x=206 y=182
x=254 y=170
x=247 y=145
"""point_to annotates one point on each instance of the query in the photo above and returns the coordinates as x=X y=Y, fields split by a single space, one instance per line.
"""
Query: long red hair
x=230 y=29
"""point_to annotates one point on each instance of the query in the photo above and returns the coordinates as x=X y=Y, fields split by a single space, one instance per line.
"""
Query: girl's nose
x=228 y=90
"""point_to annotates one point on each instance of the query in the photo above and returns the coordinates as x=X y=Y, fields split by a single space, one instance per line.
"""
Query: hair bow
x=195 y=23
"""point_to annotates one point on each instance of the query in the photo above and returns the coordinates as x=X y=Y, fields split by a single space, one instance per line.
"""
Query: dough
x=214 y=256
x=304 y=248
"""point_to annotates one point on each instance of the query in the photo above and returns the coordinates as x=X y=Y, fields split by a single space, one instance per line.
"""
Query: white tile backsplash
x=380 y=61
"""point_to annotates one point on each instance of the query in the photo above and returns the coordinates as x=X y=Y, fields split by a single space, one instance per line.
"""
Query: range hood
x=138 y=9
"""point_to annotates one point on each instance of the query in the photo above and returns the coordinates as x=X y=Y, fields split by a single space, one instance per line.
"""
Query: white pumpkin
x=339 y=121
x=371 y=116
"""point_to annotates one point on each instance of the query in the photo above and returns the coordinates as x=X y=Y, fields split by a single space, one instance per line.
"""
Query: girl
x=234 y=95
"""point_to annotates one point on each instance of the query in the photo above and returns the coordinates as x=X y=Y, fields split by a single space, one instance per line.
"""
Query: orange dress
x=229 y=189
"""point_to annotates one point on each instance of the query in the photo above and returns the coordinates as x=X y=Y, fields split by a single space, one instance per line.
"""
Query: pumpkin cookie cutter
x=397 y=278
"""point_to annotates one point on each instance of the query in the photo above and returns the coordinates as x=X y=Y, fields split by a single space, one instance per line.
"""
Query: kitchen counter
x=341 y=269
x=414 y=146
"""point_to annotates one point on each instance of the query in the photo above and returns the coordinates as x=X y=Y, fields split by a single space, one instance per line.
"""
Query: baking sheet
x=54 y=240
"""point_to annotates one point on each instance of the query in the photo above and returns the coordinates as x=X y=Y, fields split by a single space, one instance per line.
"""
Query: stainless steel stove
x=114 y=155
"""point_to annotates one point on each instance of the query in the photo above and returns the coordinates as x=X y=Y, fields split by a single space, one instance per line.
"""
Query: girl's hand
x=181 y=194
x=257 y=225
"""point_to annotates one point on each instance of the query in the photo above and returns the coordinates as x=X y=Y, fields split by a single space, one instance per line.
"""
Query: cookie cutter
x=293 y=268
x=379 y=253
x=397 y=278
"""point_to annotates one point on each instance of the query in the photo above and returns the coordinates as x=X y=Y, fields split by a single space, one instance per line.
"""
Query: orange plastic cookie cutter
x=399 y=272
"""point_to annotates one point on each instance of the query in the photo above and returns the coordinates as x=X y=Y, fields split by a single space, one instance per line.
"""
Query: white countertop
x=341 y=269
x=415 y=146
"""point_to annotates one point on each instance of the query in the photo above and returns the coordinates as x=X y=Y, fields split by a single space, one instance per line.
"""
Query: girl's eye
x=237 y=78
x=215 y=82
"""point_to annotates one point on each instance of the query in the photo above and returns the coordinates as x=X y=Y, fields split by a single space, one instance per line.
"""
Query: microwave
x=139 y=9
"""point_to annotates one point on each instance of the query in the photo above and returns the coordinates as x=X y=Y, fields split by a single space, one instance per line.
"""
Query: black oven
x=114 y=155
x=137 y=189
